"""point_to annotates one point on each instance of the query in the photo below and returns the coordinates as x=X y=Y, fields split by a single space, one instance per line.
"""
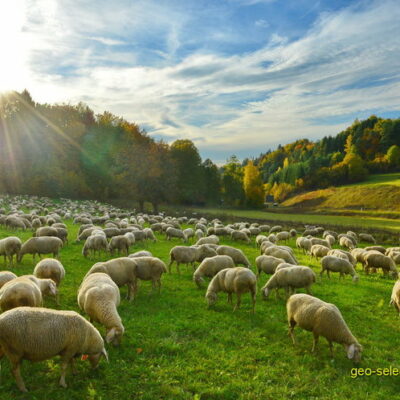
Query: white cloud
x=346 y=64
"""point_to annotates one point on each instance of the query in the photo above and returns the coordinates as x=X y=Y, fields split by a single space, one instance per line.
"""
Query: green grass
x=176 y=348
x=379 y=179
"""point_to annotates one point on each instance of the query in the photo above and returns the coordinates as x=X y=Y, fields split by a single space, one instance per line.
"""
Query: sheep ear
x=350 y=351
x=110 y=335
x=104 y=353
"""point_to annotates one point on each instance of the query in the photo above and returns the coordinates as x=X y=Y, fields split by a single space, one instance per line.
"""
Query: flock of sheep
x=28 y=331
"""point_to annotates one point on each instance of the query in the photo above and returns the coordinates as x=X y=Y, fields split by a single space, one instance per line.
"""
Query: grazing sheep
x=336 y=264
x=122 y=271
x=50 y=268
x=381 y=249
x=279 y=252
x=322 y=242
x=319 y=251
x=9 y=247
x=37 y=334
x=267 y=264
x=149 y=269
x=264 y=245
x=208 y=240
x=283 y=236
x=322 y=319
x=276 y=228
x=120 y=243
x=343 y=254
x=375 y=260
x=95 y=243
x=351 y=238
x=178 y=233
x=210 y=266
x=199 y=234
x=41 y=245
x=237 y=255
x=237 y=280
x=264 y=228
x=189 y=233
x=111 y=232
x=46 y=231
x=346 y=242
x=293 y=233
x=395 y=297
x=142 y=253
x=290 y=279
x=240 y=235
x=20 y=292
x=149 y=234
x=6 y=276
x=303 y=243
x=99 y=297
x=366 y=237
x=284 y=265
x=260 y=239
x=14 y=222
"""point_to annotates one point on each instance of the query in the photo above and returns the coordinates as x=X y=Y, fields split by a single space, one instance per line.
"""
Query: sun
x=13 y=46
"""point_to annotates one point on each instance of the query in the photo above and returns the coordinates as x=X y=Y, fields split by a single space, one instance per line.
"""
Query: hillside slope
x=379 y=192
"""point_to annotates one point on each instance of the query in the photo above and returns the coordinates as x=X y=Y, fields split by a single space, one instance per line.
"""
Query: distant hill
x=378 y=192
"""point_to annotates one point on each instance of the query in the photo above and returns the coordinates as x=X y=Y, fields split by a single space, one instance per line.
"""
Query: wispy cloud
x=180 y=73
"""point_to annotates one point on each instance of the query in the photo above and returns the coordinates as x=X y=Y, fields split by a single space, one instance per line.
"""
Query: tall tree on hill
x=189 y=174
x=232 y=182
x=253 y=186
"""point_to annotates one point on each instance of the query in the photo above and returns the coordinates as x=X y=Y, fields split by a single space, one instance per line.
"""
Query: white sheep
x=267 y=264
x=237 y=280
x=177 y=233
x=336 y=264
x=99 y=297
x=290 y=279
x=149 y=269
x=50 y=268
x=210 y=266
x=319 y=251
x=41 y=245
x=303 y=243
x=6 y=276
x=395 y=297
x=212 y=239
x=366 y=237
x=120 y=243
x=237 y=255
x=122 y=271
x=322 y=319
x=20 y=292
x=376 y=260
x=347 y=243
x=280 y=252
x=93 y=243
x=9 y=247
x=37 y=334
x=240 y=235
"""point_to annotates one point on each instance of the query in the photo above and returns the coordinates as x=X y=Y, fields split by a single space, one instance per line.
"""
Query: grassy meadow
x=176 y=348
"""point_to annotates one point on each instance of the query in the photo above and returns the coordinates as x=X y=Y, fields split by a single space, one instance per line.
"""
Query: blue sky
x=235 y=76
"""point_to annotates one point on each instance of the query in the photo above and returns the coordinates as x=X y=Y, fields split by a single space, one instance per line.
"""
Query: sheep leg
x=16 y=370
x=308 y=290
x=169 y=266
x=321 y=273
x=159 y=285
x=315 y=342
x=239 y=300
x=253 y=299
x=328 y=273
x=331 y=348
x=177 y=268
x=292 y=324
x=64 y=366
x=230 y=298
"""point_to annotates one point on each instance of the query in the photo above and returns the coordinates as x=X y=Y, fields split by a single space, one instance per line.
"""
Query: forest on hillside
x=64 y=150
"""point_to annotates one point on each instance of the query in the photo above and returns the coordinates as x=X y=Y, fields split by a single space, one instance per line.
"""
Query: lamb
x=9 y=247
x=346 y=242
x=99 y=297
x=267 y=264
x=95 y=243
x=20 y=292
x=37 y=334
x=366 y=237
x=6 y=276
x=237 y=255
x=239 y=235
x=210 y=266
x=290 y=279
x=149 y=269
x=122 y=271
x=335 y=264
x=281 y=253
x=41 y=245
x=322 y=319
x=50 y=268
x=319 y=251
x=173 y=232
x=237 y=280
x=395 y=297
x=212 y=239
x=142 y=253
x=120 y=243
x=374 y=260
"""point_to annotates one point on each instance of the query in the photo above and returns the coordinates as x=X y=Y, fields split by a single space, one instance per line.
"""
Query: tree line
x=63 y=150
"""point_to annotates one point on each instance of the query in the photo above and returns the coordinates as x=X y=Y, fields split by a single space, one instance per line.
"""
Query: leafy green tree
x=212 y=182
x=253 y=186
x=393 y=156
x=232 y=182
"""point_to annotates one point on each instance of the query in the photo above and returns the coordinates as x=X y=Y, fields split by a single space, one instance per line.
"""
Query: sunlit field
x=176 y=348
